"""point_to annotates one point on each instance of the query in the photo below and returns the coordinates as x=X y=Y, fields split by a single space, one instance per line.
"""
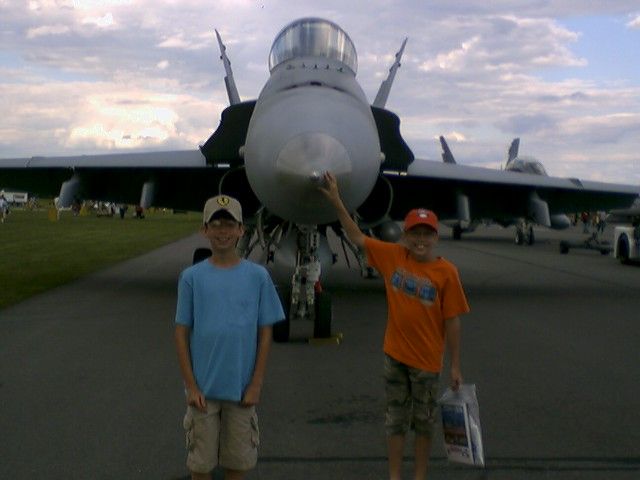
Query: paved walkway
x=90 y=389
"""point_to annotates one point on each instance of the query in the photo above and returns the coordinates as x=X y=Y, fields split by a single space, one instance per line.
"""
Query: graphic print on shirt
x=409 y=284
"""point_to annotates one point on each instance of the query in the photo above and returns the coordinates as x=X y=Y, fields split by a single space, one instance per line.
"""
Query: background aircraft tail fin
x=229 y=82
x=385 y=88
x=513 y=150
x=447 y=156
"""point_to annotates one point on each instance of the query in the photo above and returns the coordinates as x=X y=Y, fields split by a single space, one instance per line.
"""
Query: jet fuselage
x=311 y=116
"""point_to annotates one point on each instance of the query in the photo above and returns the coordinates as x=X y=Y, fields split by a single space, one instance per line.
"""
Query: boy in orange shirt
x=425 y=298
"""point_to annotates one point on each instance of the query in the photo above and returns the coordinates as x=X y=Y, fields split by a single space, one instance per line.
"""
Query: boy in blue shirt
x=224 y=316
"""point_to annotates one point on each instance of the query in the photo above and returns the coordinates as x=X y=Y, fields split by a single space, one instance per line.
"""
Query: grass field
x=37 y=254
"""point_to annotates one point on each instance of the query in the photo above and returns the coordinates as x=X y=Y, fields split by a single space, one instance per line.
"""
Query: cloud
x=94 y=4
x=186 y=42
x=47 y=30
x=99 y=116
x=455 y=59
x=501 y=46
x=526 y=124
x=104 y=21
x=479 y=71
x=454 y=136
x=635 y=23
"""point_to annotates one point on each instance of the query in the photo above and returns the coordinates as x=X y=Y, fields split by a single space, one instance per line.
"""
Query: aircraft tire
x=531 y=238
x=564 y=248
x=200 y=254
x=519 y=237
x=282 y=329
x=623 y=249
x=323 y=315
x=457 y=232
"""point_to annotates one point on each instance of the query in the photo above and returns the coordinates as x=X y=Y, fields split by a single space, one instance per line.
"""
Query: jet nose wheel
x=281 y=330
x=323 y=315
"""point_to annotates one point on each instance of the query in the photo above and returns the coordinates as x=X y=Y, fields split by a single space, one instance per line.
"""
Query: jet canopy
x=528 y=165
x=313 y=37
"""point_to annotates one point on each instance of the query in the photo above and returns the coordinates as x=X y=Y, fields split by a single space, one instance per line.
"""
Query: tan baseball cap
x=222 y=202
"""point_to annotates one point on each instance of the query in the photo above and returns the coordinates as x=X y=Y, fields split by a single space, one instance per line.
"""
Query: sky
x=94 y=76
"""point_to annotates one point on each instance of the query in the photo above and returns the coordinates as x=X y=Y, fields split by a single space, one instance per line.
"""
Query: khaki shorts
x=226 y=435
x=411 y=396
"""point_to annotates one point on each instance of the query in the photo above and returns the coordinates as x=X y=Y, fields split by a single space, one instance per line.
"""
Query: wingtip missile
x=383 y=93
x=232 y=91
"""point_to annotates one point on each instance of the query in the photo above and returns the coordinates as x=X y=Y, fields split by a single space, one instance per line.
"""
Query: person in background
x=4 y=208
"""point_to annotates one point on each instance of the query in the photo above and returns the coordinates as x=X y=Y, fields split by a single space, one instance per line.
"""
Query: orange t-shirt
x=420 y=297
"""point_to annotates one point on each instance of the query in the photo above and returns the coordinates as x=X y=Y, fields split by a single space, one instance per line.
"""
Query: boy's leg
x=200 y=476
x=239 y=439
x=424 y=392
x=395 y=452
x=422 y=452
x=234 y=474
x=397 y=415
x=202 y=433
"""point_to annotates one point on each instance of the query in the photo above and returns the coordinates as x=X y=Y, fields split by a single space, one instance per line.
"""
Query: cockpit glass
x=313 y=37
x=537 y=168
x=528 y=165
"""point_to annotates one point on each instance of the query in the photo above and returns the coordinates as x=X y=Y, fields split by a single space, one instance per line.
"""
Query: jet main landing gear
x=524 y=234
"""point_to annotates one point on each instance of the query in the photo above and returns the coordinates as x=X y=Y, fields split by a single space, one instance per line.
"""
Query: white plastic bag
x=461 y=425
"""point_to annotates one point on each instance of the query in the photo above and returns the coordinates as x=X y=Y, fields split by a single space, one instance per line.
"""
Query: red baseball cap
x=420 y=216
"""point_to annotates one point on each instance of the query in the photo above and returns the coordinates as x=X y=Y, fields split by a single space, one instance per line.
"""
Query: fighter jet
x=311 y=116
x=625 y=215
x=536 y=212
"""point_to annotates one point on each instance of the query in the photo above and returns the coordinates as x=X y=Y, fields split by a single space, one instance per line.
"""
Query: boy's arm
x=194 y=396
x=252 y=393
x=453 y=329
x=330 y=190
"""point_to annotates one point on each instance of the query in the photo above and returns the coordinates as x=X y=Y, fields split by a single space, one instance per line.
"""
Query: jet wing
x=180 y=179
x=496 y=193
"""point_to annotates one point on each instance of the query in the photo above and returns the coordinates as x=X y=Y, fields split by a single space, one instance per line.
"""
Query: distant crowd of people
x=596 y=221
x=102 y=209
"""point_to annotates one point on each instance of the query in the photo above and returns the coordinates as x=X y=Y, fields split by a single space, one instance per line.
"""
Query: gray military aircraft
x=625 y=215
x=311 y=116
x=536 y=212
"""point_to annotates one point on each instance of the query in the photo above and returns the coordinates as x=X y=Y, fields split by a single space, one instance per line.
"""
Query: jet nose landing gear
x=306 y=299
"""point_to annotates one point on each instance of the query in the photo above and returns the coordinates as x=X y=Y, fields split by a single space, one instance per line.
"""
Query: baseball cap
x=420 y=216
x=222 y=202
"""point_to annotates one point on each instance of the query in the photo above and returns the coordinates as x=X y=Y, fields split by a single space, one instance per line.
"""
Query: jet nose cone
x=309 y=155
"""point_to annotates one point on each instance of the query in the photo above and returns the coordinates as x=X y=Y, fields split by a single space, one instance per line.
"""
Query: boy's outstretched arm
x=330 y=190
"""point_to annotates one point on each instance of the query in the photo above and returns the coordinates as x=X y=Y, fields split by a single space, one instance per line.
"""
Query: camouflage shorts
x=411 y=398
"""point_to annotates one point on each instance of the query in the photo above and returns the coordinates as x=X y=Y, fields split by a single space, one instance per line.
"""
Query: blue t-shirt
x=224 y=307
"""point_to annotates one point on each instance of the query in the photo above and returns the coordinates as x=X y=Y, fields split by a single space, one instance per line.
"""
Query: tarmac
x=90 y=387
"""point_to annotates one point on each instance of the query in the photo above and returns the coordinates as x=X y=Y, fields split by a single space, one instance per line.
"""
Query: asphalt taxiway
x=90 y=388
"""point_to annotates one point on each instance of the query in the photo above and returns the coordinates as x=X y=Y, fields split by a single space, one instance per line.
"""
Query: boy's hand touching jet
x=330 y=188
